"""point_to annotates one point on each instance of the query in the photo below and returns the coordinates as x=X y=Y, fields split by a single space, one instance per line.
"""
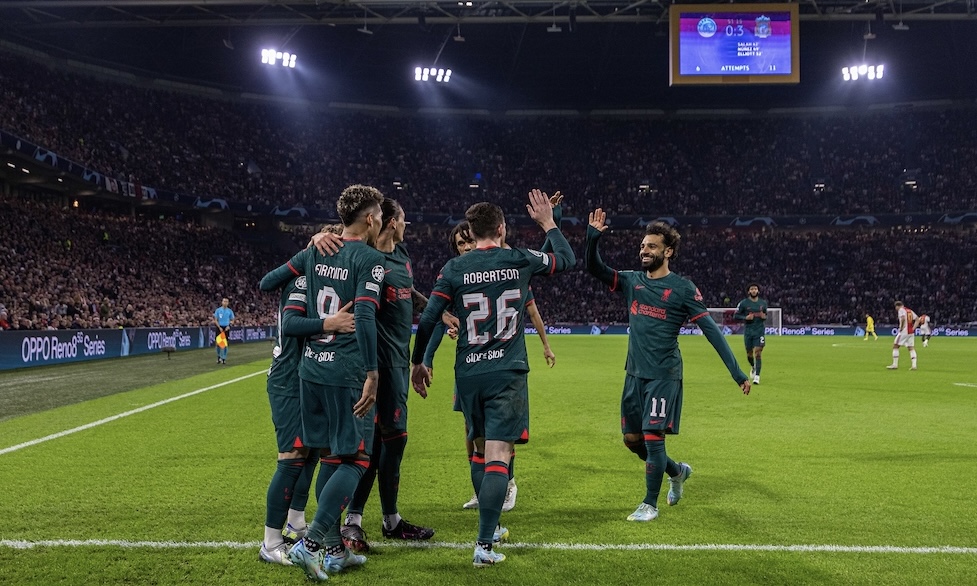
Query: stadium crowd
x=294 y=155
x=71 y=268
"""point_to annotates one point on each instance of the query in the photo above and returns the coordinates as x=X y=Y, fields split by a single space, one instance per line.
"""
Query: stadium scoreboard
x=721 y=44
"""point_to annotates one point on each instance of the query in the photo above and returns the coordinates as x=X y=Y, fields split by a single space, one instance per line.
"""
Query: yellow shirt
x=869 y=323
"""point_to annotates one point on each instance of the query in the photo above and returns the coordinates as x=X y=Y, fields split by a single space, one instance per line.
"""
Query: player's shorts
x=651 y=405
x=392 y=394
x=456 y=403
x=328 y=420
x=286 y=414
x=924 y=330
x=752 y=341
x=496 y=405
x=904 y=339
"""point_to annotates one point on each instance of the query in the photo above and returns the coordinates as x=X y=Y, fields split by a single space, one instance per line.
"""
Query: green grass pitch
x=833 y=471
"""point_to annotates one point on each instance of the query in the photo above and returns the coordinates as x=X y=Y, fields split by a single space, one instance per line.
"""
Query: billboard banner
x=20 y=349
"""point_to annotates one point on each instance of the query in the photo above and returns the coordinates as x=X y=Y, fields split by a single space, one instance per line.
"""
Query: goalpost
x=723 y=316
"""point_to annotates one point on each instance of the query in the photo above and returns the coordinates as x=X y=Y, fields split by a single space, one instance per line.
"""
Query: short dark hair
x=484 y=218
x=354 y=200
x=752 y=285
x=465 y=231
x=670 y=236
x=390 y=209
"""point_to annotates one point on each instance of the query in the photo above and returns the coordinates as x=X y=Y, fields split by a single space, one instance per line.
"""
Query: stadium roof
x=504 y=55
x=47 y=14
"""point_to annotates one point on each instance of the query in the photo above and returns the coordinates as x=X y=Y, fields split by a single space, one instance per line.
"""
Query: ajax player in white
x=924 y=328
x=905 y=337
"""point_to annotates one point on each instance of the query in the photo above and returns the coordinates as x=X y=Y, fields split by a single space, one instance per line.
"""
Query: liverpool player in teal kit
x=487 y=290
x=398 y=302
x=288 y=491
x=753 y=311
x=339 y=374
x=659 y=303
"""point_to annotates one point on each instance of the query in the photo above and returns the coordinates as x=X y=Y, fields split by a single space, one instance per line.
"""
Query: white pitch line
x=966 y=385
x=34 y=442
x=125 y=544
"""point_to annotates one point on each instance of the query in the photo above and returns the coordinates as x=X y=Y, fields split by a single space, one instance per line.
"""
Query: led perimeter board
x=721 y=44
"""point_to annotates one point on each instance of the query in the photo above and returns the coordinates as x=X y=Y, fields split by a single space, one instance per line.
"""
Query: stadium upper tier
x=895 y=162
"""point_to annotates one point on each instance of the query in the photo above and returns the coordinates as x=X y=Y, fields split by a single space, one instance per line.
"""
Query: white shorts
x=925 y=330
x=903 y=339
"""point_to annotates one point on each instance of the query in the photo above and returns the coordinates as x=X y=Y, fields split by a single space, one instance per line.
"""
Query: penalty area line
x=60 y=434
x=809 y=548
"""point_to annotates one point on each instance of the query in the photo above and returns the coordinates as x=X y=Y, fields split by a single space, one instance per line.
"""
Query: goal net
x=723 y=316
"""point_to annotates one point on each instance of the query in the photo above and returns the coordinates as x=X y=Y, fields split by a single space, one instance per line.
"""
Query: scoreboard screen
x=734 y=44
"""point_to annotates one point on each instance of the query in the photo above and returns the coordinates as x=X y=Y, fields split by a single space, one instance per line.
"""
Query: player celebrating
x=753 y=311
x=288 y=491
x=339 y=374
x=925 y=329
x=397 y=306
x=870 y=327
x=905 y=337
x=460 y=242
x=487 y=290
x=659 y=302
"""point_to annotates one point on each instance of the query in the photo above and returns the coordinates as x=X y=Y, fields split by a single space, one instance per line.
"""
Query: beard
x=652 y=263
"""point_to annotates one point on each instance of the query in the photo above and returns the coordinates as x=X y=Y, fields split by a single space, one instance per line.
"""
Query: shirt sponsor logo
x=324 y=356
x=373 y=287
x=487 y=355
x=648 y=310
x=393 y=294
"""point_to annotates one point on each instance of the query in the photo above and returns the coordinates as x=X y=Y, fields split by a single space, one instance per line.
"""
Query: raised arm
x=592 y=261
x=541 y=212
x=555 y=203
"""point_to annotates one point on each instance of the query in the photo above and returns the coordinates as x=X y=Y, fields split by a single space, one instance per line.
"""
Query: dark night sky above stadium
x=500 y=67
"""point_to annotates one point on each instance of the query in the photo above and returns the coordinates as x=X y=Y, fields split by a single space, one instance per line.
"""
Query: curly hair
x=356 y=199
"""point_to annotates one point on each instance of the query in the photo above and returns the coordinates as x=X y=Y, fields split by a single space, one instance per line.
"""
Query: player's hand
x=369 y=397
x=539 y=209
x=598 y=219
x=420 y=378
x=556 y=199
x=341 y=322
x=745 y=387
x=452 y=333
x=326 y=243
x=549 y=356
x=762 y=315
x=451 y=321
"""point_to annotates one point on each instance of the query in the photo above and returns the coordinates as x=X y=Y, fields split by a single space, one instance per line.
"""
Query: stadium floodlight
x=870 y=72
x=273 y=56
x=436 y=74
